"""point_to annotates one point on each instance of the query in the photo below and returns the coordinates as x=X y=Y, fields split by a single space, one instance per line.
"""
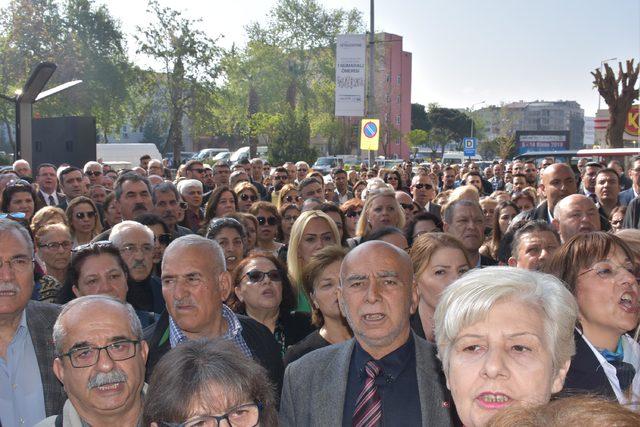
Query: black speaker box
x=64 y=140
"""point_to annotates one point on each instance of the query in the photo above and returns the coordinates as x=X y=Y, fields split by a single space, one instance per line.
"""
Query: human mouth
x=489 y=400
x=629 y=302
x=374 y=317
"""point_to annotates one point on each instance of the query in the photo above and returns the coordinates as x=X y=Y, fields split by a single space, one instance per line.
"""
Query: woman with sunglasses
x=289 y=194
x=162 y=238
x=289 y=213
x=19 y=196
x=352 y=209
x=264 y=293
x=246 y=194
x=394 y=179
x=600 y=271
x=268 y=224
x=83 y=219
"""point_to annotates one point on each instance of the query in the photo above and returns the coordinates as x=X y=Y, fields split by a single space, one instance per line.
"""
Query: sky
x=464 y=51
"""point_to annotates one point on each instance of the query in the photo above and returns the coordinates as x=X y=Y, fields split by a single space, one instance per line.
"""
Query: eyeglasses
x=421 y=186
x=256 y=276
x=18 y=264
x=163 y=239
x=83 y=357
x=66 y=245
x=303 y=170
x=607 y=270
x=291 y=199
x=82 y=215
x=93 y=173
x=280 y=177
x=184 y=205
x=616 y=222
x=272 y=220
x=247 y=415
x=132 y=249
x=406 y=206
x=353 y=214
x=199 y=170
x=13 y=215
x=244 y=197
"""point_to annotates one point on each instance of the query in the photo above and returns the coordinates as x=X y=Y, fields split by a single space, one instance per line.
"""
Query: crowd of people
x=253 y=294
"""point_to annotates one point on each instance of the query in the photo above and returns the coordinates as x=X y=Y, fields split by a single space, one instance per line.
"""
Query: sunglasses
x=199 y=170
x=425 y=186
x=256 y=276
x=19 y=183
x=92 y=173
x=184 y=206
x=353 y=214
x=272 y=220
x=291 y=199
x=163 y=239
x=406 y=206
x=82 y=215
x=245 y=197
x=280 y=178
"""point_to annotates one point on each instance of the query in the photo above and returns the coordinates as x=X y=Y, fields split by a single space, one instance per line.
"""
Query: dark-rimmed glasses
x=272 y=220
x=83 y=357
x=353 y=214
x=247 y=415
x=93 y=173
x=291 y=199
x=608 y=270
x=82 y=215
x=244 y=197
x=425 y=186
x=53 y=246
x=257 y=276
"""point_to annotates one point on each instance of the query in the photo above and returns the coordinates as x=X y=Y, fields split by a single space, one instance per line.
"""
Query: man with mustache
x=166 y=204
x=29 y=391
x=195 y=283
x=464 y=220
x=100 y=360
x=136 y=244
x=385 y=375
x=533 y=245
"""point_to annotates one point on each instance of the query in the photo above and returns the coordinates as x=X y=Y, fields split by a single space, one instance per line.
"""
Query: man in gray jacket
x=385 y=374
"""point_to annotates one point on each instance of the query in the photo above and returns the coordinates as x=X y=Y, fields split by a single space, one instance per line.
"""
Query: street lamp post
x=604 y=61
x=471 y=111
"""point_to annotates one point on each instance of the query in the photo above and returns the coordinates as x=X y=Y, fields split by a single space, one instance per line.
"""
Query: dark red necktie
x=368 y=410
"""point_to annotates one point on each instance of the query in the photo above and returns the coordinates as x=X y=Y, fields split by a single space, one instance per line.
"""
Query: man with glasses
x=424 y=191
x=29 y=391
x=302 y=169
x=168 y=205
x=94 y=171
x=405 y=201
x=194 y=285
x=194 y=169
x=136 y=245
x=100 y=360
x=221 y=172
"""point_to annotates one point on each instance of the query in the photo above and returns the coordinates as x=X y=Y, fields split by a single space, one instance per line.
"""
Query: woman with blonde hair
x=381 y=209
x=313 y=230
x=47 y=215
x=247 y=194
x=289 y=194
x=83 y=220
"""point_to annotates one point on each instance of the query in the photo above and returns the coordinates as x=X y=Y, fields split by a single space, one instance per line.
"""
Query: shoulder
x=43 y=309
x=47 y=422
x=311 y=342
x=317 y=359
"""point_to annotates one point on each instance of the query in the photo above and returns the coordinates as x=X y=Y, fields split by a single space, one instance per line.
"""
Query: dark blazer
x=434 y=209
x=40 y=319
x=632 y=217
x=586 y=375
x=315 y=385
x=41 y=202
x=258 y=337
x=626 y=196
x=541 y=213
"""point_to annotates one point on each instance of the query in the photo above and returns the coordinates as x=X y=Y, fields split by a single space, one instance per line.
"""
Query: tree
x=417 y=138
x=619 y=94
x=189 y=61
x=419 y=118
x=291 y=140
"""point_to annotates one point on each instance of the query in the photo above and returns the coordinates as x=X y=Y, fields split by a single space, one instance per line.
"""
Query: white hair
x=469 y=300
x=90 y=164
x=118 y=232
x=301 y=163
x=185 y=184
x=59 y=332
x=215 y=255
x=376 y=185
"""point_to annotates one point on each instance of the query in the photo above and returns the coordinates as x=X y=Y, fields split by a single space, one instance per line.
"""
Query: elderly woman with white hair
x=191 y=192
x=505 y=338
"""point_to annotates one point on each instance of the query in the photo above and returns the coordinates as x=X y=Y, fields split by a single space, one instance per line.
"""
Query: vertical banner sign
x=350 y=75
x=369 y=134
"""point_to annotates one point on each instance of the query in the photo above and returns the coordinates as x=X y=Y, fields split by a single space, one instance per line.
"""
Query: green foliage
x=419 y=118
x=291 y=140
x=417 y=138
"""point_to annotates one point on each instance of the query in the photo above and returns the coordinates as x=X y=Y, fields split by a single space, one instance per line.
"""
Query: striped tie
x=368 y=410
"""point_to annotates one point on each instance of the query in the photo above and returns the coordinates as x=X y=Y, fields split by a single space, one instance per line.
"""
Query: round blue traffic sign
x=370 y=129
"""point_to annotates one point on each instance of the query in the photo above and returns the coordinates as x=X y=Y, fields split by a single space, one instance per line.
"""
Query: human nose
x=104 y=363
x=494 y=364
x=373 y=292
x=6 y=271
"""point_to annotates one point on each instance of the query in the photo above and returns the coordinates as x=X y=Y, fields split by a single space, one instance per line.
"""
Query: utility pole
x=371 y=98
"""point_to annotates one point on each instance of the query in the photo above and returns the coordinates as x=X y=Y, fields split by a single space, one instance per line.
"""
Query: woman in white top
x=600 y=271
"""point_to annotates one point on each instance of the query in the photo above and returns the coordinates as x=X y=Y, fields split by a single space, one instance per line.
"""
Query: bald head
x=575 y=214
x=558 y=182
x=398 y=260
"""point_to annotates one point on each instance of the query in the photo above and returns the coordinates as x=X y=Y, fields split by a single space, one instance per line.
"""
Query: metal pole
x=371 y=100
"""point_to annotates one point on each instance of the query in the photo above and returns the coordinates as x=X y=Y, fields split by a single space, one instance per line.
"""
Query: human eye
x=91 y=281
x=114 y=276
x=327 y=237
x=440 y=272
x=471 y=348
x=310 y=239
x=604 y=271
x=83 y=353
x=520 y=348
x=21 y=261
x=193 y=279
x=168 y=281
x=463 y=270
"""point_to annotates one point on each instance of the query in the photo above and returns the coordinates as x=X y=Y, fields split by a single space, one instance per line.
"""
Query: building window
x=398 y=79
x=398 y=99
x=388 y=98
x=388 y=78
x=398 y=141
x=398 y=119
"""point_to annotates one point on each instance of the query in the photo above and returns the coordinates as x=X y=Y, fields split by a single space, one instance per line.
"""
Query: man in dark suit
x=72 y=184
x=385 y=375
x=29 y=391
x=464 y=220
x=194 y=285
x=423 y=191
x=558 y=182
x=47 y=186
x=626 y=196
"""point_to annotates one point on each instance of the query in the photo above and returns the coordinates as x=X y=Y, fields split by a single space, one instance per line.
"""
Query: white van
x=243 y=153
x=131 y=153
x=456 y=157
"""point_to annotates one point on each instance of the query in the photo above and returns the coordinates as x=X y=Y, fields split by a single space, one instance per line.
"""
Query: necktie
x=52 y=201
x=368 y=410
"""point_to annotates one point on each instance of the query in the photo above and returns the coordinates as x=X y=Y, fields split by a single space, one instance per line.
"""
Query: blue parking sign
x=470 y=145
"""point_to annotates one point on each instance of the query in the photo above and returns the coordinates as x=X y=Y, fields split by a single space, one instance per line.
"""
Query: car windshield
x=325 y=161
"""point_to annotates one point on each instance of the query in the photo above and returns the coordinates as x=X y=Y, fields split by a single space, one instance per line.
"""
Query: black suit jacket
x=40 y=319
x=259 y=339
x=41 y=202
x=541 y=212
x=586 y=375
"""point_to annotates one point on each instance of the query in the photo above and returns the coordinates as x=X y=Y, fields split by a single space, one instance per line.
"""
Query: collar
x=392 y=364
x=234 y=328
x=613 y=356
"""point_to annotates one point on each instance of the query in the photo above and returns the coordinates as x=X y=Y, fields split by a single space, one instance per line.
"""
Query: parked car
x=325 y=164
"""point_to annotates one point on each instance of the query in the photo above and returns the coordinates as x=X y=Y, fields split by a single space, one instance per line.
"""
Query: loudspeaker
x=64 y=140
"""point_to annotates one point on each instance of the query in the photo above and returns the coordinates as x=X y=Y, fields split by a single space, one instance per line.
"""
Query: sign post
x=369 y=135
x=470 y=147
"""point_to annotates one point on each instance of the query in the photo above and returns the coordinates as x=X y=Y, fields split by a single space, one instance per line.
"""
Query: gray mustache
x=102 y=379
x=11 y=287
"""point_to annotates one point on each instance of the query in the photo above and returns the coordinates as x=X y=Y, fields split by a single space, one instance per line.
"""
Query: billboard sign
x=350 y=75
x=539 y=140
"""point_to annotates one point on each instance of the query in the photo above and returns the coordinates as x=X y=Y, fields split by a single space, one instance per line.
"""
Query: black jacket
x=259 y=339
